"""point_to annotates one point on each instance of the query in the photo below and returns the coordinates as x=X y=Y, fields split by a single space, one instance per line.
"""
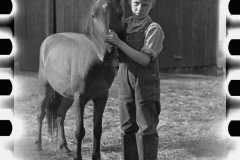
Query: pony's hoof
x=39 y=149
x=77 y=158
x=64 y=149
x=38 y=146
x=96 y=157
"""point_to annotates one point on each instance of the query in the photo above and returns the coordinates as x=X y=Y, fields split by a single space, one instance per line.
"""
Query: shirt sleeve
x=153 y=43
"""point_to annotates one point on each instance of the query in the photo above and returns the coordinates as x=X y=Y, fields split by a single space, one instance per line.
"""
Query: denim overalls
x=139 y=91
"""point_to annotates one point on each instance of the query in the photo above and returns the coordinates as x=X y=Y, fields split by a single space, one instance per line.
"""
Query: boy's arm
x=139 y=57
x=153 y=45
x=153 y=42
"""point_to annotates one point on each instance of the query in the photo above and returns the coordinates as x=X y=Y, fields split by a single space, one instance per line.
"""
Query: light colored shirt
x=154 y=35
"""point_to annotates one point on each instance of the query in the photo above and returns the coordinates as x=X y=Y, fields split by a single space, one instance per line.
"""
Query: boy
x=139 y=84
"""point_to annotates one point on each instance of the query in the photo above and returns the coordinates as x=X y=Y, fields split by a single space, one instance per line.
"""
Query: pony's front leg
x=79 y=104
x=62 y=110
x=40 y=116
x=99 y=106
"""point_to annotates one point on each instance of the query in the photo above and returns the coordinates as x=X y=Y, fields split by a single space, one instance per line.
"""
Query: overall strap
x=144 y=28
x=120 y=54
x=124 y=30
x=122 y=34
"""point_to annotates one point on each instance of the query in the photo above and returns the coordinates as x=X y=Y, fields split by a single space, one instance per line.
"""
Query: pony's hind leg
x=61 y=113
x=40 y=116
x=99 y=106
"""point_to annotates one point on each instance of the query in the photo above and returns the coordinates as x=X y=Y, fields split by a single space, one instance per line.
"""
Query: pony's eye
x=93 y=16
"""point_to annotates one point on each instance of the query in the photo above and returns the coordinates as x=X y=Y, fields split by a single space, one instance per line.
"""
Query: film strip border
x=233 y=79
x=7 y=43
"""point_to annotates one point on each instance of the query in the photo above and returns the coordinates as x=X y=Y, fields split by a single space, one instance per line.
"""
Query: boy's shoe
x=129 y=146
x=147 y=147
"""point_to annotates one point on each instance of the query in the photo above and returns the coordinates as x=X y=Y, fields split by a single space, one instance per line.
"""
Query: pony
x=75 y=68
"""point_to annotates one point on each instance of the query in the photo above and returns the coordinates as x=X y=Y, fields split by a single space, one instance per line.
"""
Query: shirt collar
x=134 y=24
x=137 y=23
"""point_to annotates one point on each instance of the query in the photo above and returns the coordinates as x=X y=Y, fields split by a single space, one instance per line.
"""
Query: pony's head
x=107 y=14
x=104 y=15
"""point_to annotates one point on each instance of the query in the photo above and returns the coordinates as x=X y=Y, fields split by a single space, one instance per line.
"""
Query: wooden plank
x=60 y=16
x=50 y=15
x=20 y=32
x=35 y=34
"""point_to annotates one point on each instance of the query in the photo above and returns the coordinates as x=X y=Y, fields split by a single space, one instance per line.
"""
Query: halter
x=108 y=58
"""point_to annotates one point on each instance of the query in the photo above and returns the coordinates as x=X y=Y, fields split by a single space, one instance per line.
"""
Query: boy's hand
x=113 y=38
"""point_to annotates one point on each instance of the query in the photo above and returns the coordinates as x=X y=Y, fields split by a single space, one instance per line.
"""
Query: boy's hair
x=153 y=2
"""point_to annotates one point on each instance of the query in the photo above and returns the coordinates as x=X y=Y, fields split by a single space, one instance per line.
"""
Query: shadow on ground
x=198 y=148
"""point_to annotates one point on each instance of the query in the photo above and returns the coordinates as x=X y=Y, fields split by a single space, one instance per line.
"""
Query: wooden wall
x=41 y=18
x=71 y=15
x=190 y=28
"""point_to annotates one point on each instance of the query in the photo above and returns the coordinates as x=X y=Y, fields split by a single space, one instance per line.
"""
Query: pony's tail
x=51 y=113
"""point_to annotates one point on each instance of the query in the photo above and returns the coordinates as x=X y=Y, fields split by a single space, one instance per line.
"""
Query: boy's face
x=141 y=8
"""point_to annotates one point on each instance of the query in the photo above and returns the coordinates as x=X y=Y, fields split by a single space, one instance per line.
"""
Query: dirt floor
x=190 y=128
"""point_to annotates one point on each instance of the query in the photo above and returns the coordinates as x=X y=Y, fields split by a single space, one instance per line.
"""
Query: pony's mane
x=89 y=26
